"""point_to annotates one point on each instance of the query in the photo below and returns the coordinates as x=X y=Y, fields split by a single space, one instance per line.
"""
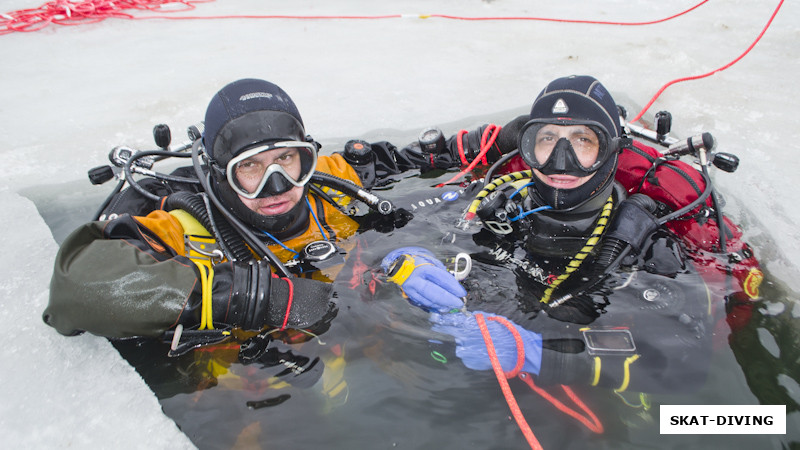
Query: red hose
x=460 y=145
x=288 y=302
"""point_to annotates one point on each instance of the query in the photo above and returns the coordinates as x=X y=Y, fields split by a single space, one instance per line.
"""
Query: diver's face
x=274 y=204
x=562 y=181
x=585 y=144
x=250 y=171
x=584 y=141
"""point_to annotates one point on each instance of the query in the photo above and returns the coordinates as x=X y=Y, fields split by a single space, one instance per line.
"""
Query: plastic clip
x=462 y=273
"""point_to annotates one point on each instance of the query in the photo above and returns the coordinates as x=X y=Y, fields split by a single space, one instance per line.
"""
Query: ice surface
x=69 y=94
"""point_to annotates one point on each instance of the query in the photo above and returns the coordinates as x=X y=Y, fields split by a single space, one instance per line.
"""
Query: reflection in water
x=767 y=347
x=381 y=377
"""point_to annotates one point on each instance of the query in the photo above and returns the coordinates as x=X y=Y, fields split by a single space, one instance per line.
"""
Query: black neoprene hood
x=577 y=99
x=248 y=112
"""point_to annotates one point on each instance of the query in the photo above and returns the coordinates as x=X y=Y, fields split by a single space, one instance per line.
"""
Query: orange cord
x=592 y=422
x=481 y=156
x=501 y=378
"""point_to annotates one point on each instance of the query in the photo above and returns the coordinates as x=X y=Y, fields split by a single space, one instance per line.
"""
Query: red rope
x=592 y=22
x=592 y=422
x=697 y=77
x=501 y=378
x=288 y=303
x=75 y=12
x=481 y=156
x=291 y=17
x=517 y=339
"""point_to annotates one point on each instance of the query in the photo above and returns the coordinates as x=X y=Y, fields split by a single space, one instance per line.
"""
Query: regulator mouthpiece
x=100 y=175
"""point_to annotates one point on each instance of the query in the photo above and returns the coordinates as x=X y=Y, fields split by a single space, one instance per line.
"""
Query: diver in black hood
x=260 y=156
x=571 y=143
x=585 y=221
x=218 y=245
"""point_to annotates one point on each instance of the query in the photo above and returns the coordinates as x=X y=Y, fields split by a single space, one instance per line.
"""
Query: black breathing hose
x=499 y=163
x=699 y=201
x=323 y=195
x=231 y=243
x=353 y=190
x=723 y=246
x=610 y=254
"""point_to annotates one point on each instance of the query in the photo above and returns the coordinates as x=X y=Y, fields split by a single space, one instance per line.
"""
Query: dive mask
x=550 y=153
x=278 y=166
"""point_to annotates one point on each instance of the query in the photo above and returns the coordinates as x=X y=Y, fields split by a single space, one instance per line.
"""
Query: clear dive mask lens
x=249 y=171
x=579 y=151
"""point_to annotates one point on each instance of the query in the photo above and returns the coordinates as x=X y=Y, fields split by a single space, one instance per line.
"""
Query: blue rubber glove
x=424 y=279
x=471 y=347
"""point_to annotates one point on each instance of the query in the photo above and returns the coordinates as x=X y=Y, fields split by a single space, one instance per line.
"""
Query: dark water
x=380 y=378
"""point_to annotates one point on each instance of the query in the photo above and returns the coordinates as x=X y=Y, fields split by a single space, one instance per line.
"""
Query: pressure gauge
x=431 y=140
